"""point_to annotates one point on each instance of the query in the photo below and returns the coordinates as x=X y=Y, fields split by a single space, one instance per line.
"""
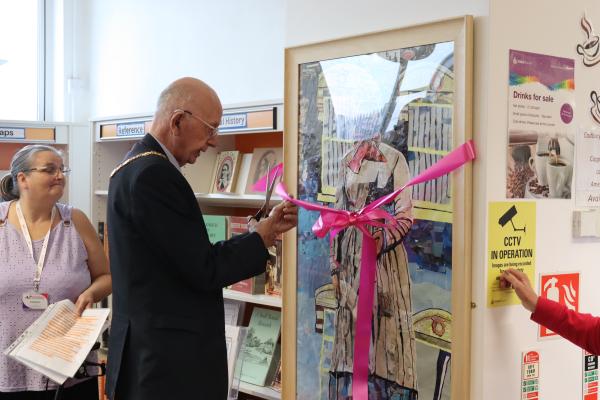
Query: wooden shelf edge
x=223 y=200
x=264 y=392
x=263 y=299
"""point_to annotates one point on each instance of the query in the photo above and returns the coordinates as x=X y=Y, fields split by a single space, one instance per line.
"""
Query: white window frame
x=41 y=98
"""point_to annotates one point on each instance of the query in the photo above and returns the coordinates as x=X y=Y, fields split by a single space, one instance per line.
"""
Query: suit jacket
x=167 y=337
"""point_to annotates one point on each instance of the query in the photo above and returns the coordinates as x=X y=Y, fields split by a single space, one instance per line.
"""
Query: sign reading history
x=234 y=121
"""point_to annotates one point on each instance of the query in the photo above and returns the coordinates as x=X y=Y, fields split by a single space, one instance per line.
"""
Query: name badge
x=35 y=301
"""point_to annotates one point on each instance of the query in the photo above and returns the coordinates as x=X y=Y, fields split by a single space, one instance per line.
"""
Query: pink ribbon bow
x=334 y=221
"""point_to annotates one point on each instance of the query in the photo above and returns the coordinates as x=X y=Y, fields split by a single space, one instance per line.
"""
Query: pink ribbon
x=261 y=184
x=334 y=221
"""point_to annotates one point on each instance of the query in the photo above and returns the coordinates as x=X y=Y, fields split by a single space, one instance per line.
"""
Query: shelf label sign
x=530 y=375
x=590 y=376
x=233 y=121
x=12 y=133
x=131 y=129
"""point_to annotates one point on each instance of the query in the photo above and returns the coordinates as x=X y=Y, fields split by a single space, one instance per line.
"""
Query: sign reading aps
x=12 y=133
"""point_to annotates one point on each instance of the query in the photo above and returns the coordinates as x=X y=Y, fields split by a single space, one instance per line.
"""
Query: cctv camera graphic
x=508 y=216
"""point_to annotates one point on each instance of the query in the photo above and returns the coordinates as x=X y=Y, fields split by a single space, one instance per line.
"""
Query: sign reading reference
x=12 y=133
x=130 y=129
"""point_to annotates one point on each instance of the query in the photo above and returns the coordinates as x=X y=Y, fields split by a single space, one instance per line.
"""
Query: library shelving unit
x=243 y=128
x=14 y=135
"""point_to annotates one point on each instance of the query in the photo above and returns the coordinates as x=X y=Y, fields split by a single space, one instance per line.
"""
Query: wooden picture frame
x=306 y=116
x=225 y=173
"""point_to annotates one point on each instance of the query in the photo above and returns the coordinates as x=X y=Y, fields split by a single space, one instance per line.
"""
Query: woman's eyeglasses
x=50 y=170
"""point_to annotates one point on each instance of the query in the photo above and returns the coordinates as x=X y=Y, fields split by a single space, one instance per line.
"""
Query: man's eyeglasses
x=213 y=130
x=50 y=170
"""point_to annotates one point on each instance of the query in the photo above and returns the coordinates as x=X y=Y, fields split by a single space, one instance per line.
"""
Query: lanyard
x=25 y=231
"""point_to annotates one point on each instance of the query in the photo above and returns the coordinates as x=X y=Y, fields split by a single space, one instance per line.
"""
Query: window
x=21 y=59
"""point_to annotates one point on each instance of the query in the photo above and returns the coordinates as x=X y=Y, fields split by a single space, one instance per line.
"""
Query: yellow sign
x=511 y=244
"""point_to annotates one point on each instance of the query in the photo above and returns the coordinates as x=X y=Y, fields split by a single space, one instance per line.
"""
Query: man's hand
x=520 y=282
x=281 y=219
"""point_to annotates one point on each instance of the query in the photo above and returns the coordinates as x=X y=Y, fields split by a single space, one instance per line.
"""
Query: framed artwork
x=364 y=115
x=225 y=172
x=263 y=158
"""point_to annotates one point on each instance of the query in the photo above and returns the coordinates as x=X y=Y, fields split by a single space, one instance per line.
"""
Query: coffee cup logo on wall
x=589 y=50
x=595 y=108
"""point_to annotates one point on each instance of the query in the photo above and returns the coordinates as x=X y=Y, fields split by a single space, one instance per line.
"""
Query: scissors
x=264 y=210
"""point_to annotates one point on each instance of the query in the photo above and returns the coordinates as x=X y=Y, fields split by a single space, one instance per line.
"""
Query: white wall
x=137 y=47
x=309 y=21
x=545 y=27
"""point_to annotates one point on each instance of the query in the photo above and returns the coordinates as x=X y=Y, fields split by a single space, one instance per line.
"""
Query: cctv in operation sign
x=511 y=244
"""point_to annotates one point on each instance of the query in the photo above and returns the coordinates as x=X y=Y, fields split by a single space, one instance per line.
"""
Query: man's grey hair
x=172 y=97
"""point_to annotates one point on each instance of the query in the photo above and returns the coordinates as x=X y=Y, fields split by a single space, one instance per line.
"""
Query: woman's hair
x=21 y=162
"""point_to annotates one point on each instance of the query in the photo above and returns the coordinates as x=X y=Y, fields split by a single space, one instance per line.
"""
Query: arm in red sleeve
x=580 y=329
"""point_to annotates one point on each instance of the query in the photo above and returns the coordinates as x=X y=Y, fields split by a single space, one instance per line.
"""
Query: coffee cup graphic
x=559 y=171
x=538 y=161
x=589 y=50
x=595 y=109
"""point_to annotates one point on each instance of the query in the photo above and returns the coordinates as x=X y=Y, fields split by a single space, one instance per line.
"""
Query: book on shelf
x=234 y=340
x=237 y=226
x=273 y=271
x=226 y=171
x=276 y=384
x=254 y=285
x=101 y=231
x=216 y=226
x=263 y=159
x=261 y=347
x=234 y=311
x=58 y=341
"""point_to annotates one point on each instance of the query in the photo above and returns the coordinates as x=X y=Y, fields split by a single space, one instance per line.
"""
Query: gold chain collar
x=145 y=154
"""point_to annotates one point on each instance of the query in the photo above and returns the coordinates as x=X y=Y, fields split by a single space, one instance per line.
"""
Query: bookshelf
x=109 y=148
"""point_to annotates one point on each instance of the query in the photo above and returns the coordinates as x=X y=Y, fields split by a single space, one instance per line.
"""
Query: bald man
x=167 y=336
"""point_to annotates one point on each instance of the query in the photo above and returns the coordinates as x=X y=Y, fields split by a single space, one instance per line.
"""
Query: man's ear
x=175 y=121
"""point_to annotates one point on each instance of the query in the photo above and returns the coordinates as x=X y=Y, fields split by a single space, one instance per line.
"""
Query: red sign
x=590 y=376
x=530 y=375
x=562 y=288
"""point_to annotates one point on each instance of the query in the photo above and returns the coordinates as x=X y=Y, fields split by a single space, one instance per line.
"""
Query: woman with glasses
x=48 y=252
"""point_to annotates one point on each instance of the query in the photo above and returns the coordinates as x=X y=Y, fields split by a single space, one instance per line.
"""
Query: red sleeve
x=580 y=329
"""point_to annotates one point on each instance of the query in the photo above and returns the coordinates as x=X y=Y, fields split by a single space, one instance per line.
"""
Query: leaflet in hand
x=58 y=342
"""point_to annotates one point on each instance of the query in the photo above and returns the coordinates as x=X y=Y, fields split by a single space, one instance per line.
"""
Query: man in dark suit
x=167 y=336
